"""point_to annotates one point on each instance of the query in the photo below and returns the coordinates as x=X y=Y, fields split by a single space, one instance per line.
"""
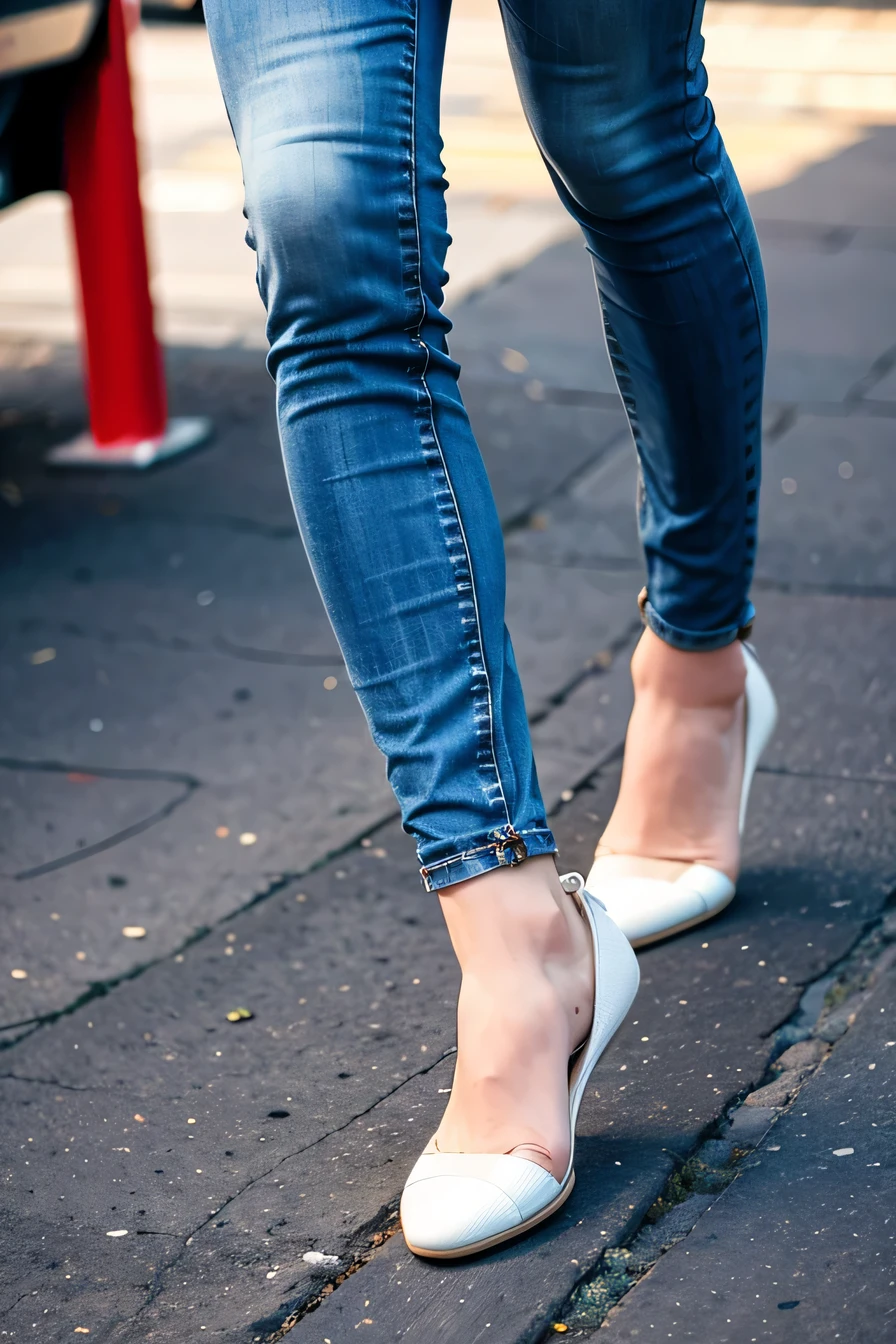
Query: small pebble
x=248 y=838
x=134 y=931
x=318 y=1258
x=19 y=974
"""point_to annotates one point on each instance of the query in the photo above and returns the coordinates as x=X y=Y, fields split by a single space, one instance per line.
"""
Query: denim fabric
x=335 y=109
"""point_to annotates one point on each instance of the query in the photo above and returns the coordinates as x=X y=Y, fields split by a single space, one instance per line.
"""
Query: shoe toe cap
x=444 y=1213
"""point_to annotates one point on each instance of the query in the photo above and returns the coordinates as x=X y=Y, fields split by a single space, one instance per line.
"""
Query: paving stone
x=529 y=447
x=830 y=318
x=592 y=524
x=260 y=750
x=830 y=532
x=836 y=1024
x=68 y=812
x=749 y=1125
x=854 y=187
x=585 y=727
x=239 y=1269
x=837 y=705
x=801 y=1247
x=776 y=1094
x=47 y=1277
x=825 y=519
x=801 y=1057
x=563 y=342
x=561 y=620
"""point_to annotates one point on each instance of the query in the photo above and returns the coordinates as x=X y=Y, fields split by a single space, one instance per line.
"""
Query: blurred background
x=792 y=85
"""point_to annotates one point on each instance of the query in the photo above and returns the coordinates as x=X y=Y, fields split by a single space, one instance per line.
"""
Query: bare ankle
x=521 y=910
x=708 y=679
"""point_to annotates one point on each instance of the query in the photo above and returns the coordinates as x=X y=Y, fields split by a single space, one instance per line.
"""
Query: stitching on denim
x=416 y=335
x=511 y=849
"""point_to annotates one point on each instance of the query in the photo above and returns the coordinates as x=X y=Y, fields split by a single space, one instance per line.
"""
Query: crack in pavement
x=252 y=654
x=48 y=1082
x=98 y=989
x=596 y=666
x=612 y=449
x=878 y=371
x=177 y=644
x=12 y=1306
x=188 y=782
x=157 y=1284
x=621 y=1268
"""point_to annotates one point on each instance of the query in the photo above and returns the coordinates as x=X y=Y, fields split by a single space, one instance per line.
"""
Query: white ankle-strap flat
x=456 y=1204
x=649 y=908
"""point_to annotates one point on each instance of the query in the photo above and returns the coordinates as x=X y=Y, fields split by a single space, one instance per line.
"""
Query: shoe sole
x=476 y=1247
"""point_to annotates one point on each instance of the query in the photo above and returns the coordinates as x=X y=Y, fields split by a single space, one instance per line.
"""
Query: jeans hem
x=503 y=848
x=695 y=641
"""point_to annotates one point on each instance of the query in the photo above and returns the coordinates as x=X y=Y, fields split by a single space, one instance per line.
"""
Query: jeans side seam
x=751 y=511
x=416 y=335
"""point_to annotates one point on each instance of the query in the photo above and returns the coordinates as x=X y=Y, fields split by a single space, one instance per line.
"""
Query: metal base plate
x=181 y=434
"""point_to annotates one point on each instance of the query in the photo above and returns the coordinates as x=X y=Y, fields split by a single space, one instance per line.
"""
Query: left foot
x=679 y=796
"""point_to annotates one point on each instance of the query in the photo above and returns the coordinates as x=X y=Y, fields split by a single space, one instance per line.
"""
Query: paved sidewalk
x=183 y=760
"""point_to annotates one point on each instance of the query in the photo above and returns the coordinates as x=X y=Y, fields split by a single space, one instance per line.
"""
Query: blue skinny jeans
x=335 y=109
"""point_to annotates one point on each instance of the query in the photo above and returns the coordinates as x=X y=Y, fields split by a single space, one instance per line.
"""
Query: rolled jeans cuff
x=695 y=641
x=502 y=848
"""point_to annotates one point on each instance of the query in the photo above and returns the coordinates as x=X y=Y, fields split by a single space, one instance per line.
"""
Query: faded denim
x=335 y=110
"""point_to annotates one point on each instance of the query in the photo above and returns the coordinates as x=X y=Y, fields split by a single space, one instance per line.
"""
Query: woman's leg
x=334 y=107
x=615 y=93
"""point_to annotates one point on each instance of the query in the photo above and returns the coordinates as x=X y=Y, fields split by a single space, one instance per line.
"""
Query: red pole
x=125 y=380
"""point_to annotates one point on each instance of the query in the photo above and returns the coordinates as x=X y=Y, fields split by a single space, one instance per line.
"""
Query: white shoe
x=456 y=1204
x=649 y=908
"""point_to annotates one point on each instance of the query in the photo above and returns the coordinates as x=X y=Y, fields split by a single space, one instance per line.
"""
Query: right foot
x=525 y=1005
